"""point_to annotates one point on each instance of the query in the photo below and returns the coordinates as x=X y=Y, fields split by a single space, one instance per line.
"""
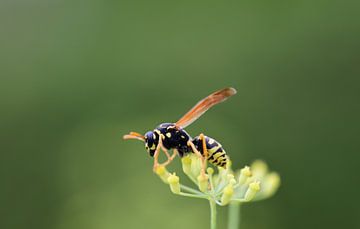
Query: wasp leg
x=202 y=158
x=156 y=154
x=166 y=152
x=205 y=152
x=169 y=158
x=202 y=138
x=175 y=152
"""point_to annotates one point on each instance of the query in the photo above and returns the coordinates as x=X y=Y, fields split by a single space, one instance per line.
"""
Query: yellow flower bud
x=203 y=182
x=173 y=181
x=230 y=176
x=231 y=179
x=259 y=168
x=210 y=171
x=195 y=165
x=186 y=164
x=229 y=163
x=227 y=194
x=254 y=188
x=245 y=173
x=271 y=183
x=221 y=170
x=162 y=173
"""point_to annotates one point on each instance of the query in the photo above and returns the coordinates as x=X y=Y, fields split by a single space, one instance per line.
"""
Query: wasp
x=172 y=136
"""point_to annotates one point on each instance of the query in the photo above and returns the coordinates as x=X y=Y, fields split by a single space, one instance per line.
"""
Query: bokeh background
x=77 y=75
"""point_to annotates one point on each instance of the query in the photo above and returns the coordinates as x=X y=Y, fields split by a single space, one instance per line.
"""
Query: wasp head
x=151 y=142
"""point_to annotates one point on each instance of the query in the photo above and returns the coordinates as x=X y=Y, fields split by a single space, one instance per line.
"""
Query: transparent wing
x=204 y=105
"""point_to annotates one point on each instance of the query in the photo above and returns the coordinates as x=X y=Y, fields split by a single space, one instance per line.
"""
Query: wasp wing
x=204 y=105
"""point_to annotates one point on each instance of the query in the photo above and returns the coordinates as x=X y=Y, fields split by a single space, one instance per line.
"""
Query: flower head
x=251 y=183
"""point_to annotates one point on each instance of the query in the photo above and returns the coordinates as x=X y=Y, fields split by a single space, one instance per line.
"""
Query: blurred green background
x=77 y=75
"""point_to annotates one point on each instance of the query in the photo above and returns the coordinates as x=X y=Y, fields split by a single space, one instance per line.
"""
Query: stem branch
x=192 y=195
x=186 y=188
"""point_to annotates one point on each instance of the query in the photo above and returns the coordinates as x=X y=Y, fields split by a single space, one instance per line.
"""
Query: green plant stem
x=234 y=215
x=212 y=214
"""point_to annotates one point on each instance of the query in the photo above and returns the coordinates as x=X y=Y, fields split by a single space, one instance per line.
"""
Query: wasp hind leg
x=203 y=142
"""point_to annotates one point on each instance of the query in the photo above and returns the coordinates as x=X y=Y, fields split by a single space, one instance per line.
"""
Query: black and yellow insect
x=169 y=136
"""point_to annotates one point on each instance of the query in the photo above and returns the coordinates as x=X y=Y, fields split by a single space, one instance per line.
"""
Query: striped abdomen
x=216 y=154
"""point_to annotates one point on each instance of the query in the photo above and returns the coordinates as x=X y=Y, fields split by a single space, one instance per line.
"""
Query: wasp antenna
x=137 y=134
x=134 y=135
x=230 y=91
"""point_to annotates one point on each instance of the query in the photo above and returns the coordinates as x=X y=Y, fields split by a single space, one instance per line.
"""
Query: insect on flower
x=172 y=136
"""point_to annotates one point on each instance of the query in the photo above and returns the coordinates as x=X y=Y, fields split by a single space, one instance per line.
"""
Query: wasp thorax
x=151 y=142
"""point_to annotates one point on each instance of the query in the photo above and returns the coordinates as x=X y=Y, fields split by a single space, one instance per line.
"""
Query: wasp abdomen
x=216 y=153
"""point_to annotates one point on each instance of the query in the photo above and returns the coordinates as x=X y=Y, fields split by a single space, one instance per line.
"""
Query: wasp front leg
x=159 y=147
x=157 y=153
x=170 y=158
x=166 y=152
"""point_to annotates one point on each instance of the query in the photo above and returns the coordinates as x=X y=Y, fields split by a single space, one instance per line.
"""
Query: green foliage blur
x=77 y=75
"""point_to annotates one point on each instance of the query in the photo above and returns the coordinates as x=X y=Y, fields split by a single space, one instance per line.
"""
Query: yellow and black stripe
x=216 y=153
